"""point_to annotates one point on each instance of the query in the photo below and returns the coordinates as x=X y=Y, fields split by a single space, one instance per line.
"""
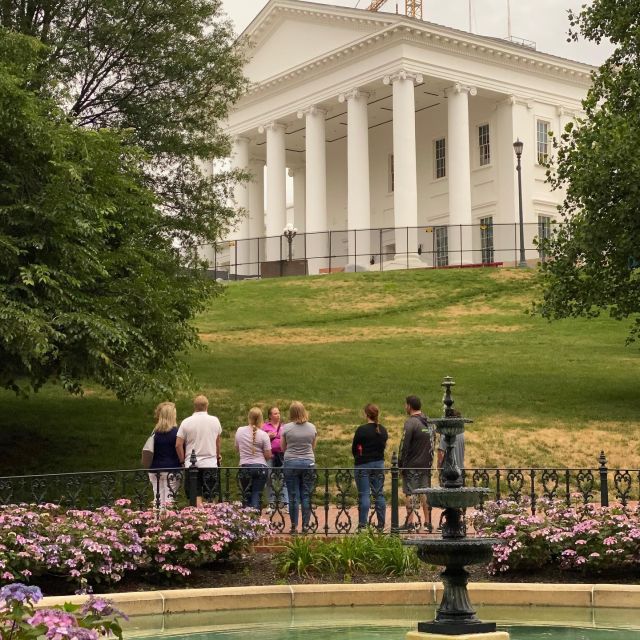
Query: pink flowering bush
x=178 y=541
x=102 y=546
x=582 y=537
x=20 y=621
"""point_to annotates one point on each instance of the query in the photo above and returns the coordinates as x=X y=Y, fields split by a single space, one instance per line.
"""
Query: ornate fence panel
x=88 y=490
x=329 y=500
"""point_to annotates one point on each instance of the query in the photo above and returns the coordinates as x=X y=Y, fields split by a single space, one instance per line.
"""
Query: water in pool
x=378 y=623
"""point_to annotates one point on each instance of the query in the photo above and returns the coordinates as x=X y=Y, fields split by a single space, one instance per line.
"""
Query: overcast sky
x=543 y=21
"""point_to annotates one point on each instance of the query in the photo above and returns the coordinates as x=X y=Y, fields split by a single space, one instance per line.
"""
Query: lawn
x=540 y=394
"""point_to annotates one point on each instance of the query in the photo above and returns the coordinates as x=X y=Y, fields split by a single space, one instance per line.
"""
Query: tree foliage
x=594 y=257
x=166 y=69
x=105 y=108
x=91 y=286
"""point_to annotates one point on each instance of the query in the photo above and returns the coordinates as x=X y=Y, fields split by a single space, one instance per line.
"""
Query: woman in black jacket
x=369 y=442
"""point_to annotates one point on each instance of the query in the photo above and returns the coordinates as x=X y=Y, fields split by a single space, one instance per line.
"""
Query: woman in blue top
x=165 y=483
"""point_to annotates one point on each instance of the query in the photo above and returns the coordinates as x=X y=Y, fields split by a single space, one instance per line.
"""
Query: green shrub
x=365 y=552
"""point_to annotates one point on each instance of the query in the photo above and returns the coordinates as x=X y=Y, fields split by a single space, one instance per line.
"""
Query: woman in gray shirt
x=298 y=439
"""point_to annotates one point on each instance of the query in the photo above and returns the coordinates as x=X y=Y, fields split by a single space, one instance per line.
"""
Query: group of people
x=264 y=446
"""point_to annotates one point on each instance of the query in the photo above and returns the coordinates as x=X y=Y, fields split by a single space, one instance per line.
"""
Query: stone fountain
x=454 y=549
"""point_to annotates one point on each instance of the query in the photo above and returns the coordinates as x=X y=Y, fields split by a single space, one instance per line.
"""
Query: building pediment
x=287 y=34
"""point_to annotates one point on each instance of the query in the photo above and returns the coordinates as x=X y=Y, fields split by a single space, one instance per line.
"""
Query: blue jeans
x=370 y=480
x=253 y=478
x=300 y=476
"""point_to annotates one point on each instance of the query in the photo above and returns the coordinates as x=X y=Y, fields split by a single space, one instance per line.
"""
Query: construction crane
x=412 y=8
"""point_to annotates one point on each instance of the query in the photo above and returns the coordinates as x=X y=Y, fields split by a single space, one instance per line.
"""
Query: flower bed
x=100 y=546
x=19 y=621
x=585 y=537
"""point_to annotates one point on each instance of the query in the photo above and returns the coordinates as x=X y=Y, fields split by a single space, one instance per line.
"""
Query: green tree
x=166 y=69
x=594 y=256
x=91 y=284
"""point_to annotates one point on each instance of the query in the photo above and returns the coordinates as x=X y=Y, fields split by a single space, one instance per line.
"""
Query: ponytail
x=255 y=422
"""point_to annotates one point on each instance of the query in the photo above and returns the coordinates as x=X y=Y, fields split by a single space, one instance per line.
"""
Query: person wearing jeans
x=253 y=478
x=299 y=437
x=300 y=477
x=255 y=451
x=369 y=442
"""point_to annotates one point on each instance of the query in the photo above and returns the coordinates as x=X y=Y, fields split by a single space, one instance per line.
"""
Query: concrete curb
x=375 y=594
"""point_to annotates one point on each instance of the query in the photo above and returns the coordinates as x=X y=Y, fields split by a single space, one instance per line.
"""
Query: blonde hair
x=165 y=415
x=255 y=422
x=297 y=413
x=200 y=403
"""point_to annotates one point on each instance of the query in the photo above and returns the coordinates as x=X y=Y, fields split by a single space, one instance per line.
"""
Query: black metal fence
x=429 y=246
x=333 y=494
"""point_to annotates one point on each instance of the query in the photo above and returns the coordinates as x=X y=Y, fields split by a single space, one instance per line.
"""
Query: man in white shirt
x=200 y=433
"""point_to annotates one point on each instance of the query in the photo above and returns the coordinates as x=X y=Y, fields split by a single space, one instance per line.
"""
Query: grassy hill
x=541 y=394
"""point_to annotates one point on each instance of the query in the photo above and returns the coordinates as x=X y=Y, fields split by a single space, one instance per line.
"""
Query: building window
x=542 y=136
x=440 y=158
x=392 y=176
x=442 y=246
x=486 y=239
x=544 y=232
x=484 y=145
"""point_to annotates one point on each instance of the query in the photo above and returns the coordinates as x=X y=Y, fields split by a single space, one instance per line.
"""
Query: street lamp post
x=517 y=147
x=290 y=232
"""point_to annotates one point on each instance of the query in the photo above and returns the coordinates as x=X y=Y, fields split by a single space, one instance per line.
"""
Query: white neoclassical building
x=398 y=135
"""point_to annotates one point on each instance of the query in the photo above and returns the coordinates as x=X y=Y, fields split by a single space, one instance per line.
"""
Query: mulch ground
x=259 y=569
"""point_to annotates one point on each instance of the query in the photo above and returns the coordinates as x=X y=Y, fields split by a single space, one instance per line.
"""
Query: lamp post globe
x=518 y=145
x=290 y=232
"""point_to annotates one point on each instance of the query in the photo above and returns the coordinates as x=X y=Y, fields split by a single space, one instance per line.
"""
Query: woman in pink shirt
x=278 y=495
x=255 y=451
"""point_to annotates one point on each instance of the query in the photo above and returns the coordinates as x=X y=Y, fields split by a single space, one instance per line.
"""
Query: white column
x=405 y=192
x=276 y=188
x=358 y=194
x=459 y=169
x=299 y=197
x=256 y=214
x=317 y=224
x=515 y=120
x=505 y=236
x=239 y=251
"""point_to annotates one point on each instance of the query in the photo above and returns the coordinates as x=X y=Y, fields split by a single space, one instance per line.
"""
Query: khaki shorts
x=413 y=479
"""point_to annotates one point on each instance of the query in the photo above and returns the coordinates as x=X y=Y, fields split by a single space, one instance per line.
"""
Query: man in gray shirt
x=415 y=460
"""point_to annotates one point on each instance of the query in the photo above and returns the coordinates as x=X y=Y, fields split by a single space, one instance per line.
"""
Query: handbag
x=147 y=452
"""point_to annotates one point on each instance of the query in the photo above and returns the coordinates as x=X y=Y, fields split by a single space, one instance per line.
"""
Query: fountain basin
x=459 y=498
x=450 y=426
x=460 y=552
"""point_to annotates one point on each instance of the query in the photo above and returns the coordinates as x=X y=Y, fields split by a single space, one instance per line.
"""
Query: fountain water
x=454 y=550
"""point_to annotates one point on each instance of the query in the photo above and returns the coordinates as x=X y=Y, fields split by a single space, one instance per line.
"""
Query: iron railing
x=333 y=492
x=379 y=249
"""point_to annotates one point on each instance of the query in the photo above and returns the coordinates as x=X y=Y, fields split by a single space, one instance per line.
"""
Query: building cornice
x=433 y=37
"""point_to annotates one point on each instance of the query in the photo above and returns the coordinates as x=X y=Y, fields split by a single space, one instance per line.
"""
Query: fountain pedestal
x=494 y=635
x=455 y=616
